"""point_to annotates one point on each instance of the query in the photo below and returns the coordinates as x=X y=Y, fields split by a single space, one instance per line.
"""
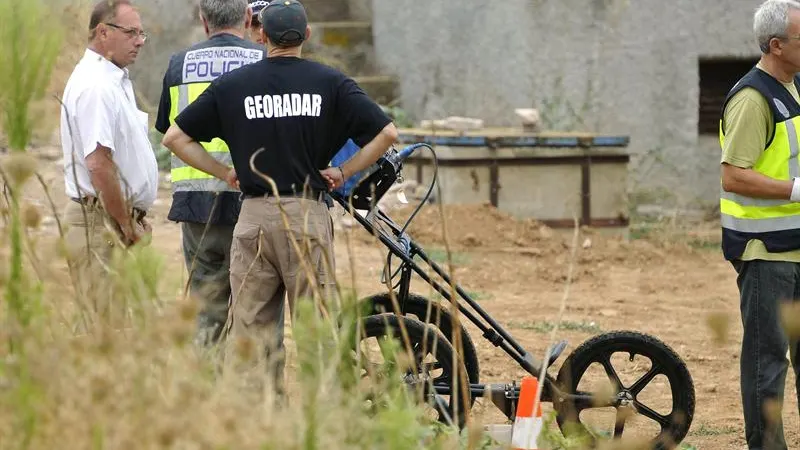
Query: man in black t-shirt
x=300 y=113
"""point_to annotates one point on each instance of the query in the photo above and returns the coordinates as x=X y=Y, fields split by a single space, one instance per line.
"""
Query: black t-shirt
x=301 y=112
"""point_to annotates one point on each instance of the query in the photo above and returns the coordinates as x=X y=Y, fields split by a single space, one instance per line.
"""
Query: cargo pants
x=208 y=259
x=266 y=265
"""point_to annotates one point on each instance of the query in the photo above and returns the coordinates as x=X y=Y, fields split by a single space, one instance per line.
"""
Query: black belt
x=313 y=194
x=137 y=213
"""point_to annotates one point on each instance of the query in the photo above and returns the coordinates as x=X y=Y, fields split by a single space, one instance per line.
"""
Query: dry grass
x=70 y=376
x=67 y=375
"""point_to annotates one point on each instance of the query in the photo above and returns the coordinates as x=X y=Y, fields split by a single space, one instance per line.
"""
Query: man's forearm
x=750 y=183
x=108 y=189
x=370 y=153
x=192 y=153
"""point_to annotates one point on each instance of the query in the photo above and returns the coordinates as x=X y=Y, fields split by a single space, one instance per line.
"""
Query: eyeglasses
x=130 y=32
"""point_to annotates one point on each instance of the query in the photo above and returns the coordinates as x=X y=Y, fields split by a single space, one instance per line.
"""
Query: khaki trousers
x=91 y=239
x=266 y=264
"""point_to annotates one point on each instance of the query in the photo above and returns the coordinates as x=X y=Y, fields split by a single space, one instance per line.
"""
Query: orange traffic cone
x=527 y=425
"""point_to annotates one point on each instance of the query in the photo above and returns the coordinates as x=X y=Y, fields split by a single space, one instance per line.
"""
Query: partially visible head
x=255 y=22
x=115 y=31
x=224 y=15
x=776 y=25
x=284 y=24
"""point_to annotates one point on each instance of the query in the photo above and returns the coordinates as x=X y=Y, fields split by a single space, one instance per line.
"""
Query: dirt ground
x=670 y=284
x=663 y=284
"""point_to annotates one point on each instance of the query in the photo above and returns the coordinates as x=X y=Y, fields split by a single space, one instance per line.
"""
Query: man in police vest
x=206 y=207
x=760 y=214
x=300 y=113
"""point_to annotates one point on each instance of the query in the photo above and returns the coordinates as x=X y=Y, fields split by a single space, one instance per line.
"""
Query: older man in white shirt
x=110 y=170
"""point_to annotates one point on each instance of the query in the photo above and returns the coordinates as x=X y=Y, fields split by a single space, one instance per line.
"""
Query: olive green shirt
x=748 y=126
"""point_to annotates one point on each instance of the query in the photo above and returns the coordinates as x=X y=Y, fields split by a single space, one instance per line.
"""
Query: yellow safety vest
x=198 y=197
x=776 y=222
x=189 y=74
x=183 y=176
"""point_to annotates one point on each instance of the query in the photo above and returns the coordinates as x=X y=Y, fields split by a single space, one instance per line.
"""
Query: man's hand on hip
x=232 y=179
x=333 y=176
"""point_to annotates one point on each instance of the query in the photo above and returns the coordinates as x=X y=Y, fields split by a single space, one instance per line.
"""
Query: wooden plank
x=496 y=132
x=515 y=138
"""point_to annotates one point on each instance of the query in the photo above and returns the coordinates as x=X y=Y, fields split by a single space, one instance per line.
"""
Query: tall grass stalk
x=27 y=58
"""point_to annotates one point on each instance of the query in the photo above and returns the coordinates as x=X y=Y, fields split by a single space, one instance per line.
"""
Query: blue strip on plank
x=517 y=141
x=461 y=141
x=611 y=141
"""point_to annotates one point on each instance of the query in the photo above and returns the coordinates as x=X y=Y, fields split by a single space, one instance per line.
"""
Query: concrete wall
x=171 y=26
x=610 y=66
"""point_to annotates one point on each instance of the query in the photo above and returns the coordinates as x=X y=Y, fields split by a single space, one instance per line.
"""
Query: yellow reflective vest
x=776 y=222
x=190 y=72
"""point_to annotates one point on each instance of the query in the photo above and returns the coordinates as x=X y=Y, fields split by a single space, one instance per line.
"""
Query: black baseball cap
x=284 y=22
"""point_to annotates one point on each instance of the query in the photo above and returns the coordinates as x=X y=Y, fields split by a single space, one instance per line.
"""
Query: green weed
x=439 y=256
x=708 y=430
x=544 y=327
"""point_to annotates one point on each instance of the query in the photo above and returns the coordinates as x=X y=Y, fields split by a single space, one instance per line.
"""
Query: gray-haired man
x=760 y=215
x=207 y=208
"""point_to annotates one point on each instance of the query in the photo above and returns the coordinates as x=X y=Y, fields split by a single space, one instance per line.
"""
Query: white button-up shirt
x=99 y=107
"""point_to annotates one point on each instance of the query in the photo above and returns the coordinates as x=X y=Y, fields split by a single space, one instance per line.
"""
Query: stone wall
x=171 y=26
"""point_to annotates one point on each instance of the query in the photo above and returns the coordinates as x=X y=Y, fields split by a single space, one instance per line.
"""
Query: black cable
x=430 y=189
x=413 y=215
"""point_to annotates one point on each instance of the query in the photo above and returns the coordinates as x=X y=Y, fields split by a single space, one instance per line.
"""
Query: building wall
x=171 y=25
x=609 y=66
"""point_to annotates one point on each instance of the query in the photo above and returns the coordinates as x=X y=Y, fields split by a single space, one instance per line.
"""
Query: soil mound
x=482 y=227
x=477 y=226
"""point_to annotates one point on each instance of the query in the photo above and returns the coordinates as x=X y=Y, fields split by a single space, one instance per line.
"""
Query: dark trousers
x=764 y=286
